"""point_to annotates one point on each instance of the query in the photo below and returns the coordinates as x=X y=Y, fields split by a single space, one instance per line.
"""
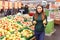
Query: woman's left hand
x=44 y=22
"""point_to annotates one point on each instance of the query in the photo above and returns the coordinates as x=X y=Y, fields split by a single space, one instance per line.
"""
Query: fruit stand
x=18 y=27
x=15 y=28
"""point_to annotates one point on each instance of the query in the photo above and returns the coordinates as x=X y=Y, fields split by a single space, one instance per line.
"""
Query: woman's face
x=39 y=9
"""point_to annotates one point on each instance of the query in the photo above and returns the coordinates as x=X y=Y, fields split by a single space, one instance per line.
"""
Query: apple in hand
x=34 y=22
x=44 y=22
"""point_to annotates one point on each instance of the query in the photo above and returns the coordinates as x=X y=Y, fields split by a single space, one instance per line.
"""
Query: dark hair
x=21 y=3
x=43 y=14
x=41 y=7
x=26 y=6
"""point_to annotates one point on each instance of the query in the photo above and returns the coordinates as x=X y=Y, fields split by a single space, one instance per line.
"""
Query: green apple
x=7 y=36
x=23 y=39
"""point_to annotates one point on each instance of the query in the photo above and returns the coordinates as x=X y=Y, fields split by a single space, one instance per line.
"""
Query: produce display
x=19 y=27
x=25 y=19
x=12 y=28
x=26 y=33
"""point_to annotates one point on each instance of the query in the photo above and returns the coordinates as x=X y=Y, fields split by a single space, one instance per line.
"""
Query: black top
x=39 y=27
x=26 y=10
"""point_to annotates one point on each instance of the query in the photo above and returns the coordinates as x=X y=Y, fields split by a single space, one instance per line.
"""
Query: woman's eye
x=39 y=8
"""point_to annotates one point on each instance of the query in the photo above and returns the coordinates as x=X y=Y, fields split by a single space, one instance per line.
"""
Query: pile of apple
x=22 y=20
x=9 y=28
x=27 y=33
x=15 y=36
x=9 y=24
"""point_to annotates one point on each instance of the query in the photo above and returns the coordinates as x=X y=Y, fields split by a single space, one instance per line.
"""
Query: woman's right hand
x=44 y=22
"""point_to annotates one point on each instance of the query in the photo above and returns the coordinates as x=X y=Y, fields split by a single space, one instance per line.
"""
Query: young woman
x=26 y=9
x=40 y=20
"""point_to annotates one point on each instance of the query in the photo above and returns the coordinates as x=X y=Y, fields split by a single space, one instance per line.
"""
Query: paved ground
x=56 y=35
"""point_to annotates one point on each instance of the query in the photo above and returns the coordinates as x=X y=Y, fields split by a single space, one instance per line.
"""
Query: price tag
x=10 y=5
x=19 y=4
x=6 y=4
x=15 y=5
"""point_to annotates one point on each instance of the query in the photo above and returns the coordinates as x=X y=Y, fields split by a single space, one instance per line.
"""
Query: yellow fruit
x=34 y=22
x=4 y=38
x=44 y=21
x=7 y=36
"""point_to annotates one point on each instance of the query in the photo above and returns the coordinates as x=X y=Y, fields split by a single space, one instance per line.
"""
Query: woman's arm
x=46 y=20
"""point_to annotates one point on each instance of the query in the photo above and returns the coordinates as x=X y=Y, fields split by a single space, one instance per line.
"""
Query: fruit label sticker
x=15 y=5
x=6 y=5
x=1 y=4
x=10 y=5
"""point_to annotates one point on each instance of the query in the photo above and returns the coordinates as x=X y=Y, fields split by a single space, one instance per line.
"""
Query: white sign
x=13 y=0
x=44 y=3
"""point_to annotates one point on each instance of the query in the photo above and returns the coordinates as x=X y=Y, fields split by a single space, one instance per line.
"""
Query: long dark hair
x=43 y=14
x=41 y=7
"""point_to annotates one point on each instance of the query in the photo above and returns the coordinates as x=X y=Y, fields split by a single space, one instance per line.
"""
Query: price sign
x=10 y=5
x=6 y=4
x=15 y=5
x=19 y=4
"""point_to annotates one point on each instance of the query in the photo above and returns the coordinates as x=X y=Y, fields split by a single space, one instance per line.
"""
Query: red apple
x=31 y=14
x=0 y=34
